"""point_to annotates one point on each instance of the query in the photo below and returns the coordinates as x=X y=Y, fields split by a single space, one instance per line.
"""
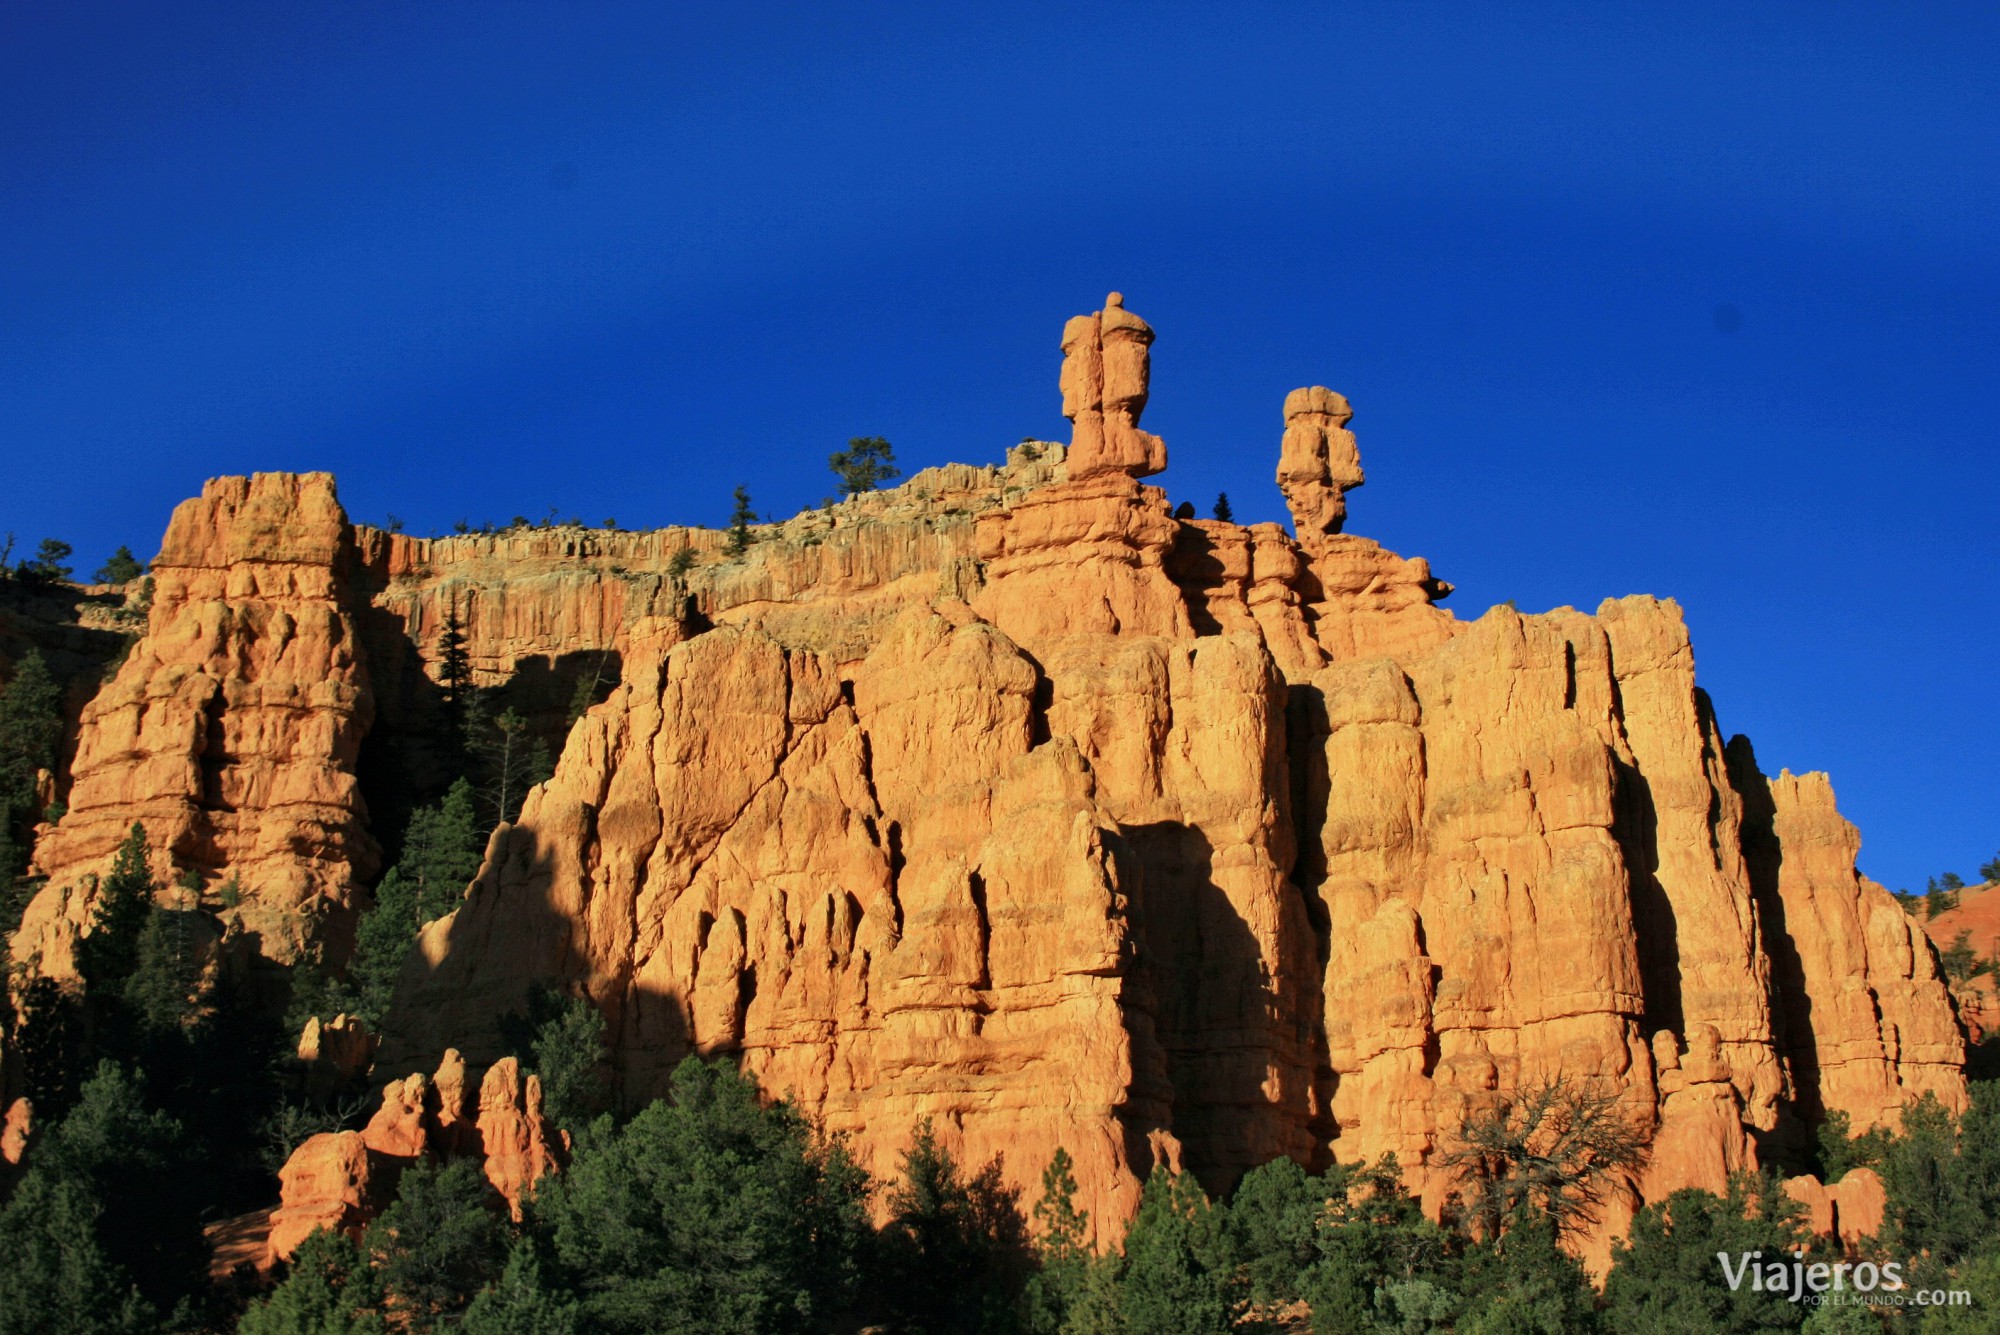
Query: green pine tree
x=1273 y=1218
x=439 y=1244
x=121 y=568
x=49 y=566
x=522 y=1303
x=1524 y=1283
x=55 y=1278
x=1378 y=1255
x=440 y=857
x=107 y=955
x=1062 y=1250
x=956 y=1251
x=866 y=463
x=454 y=665
x=513 y=760
x=328 y=1289
x=134 y=1160
x=1178 y=1276
x=562 y=1040
x=1664 y=1276
x=741 y=517
x=30 y=731
x=1222 y=510
x=163 y=993
x=709 y=1211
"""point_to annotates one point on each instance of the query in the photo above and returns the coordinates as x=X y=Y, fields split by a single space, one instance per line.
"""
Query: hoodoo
x=1007 y=799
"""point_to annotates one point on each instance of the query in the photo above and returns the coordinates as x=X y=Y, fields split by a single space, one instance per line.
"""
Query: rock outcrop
x=1012 y=799
x=1318 y=461
x=333 y=1181
x=1851 y=1210
x=1977 y=918
x=232 y=729
x=1106 y=375
x=340 y=1180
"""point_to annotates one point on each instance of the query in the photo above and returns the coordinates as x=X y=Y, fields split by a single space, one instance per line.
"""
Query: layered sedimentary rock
x=340 y=1180
x=232 y=729
x=1867 y=1021
x=1009 y=799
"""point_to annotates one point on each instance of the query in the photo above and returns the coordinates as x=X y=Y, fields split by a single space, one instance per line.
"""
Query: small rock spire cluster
x=1105 y=370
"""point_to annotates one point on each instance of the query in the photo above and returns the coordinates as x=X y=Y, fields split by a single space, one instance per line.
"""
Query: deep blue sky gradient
x=1696 y=300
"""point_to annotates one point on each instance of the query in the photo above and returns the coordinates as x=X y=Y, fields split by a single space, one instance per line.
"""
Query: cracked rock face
x=1007 y=799
x=233 y=727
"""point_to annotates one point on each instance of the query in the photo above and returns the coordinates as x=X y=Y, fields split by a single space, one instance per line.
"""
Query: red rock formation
x=1007 y=799
x=14 y=1132
x=342 y=1180
x=1318 y=461
x=1852 y=1209
x=1105 y=378
x=232 y=728
x=333 y=1181
x=1978 y=916
x=1868 y=1022
x=519 y=1146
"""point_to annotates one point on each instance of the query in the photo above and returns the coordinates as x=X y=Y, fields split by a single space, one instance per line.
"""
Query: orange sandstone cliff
x=1007 y=799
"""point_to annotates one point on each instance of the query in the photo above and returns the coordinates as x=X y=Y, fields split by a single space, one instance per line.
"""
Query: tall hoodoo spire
x=1104 y=377
x=1319 y=460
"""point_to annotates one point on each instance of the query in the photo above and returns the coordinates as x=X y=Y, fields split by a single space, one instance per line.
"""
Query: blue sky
x=1694 y=300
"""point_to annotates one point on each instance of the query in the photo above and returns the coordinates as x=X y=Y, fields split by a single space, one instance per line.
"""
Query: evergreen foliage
x=162 y=995
x=328 y=1290
x=1178 y=1276
x=30 y=731
x=113 y=1179
x=55 y=1278
x=561 y=1039
x=866 y=463
x=955 y=1252
x=1840 y=1149
x=1062 y=1251
x=1522 y=1283
x=1664 y=1277
x=521 y=1303
x=1379 y=1256
x=1222 y=509
x=741 y=517
x=50 y=564
x=108 y=953
x=1959 y=959
x=121 y=568
x=1272 y=1225
x=513 y=760
x=1943 y=1177
x=441 y=854
x=433 y=1250
x=708 y=1212
x=454 y=671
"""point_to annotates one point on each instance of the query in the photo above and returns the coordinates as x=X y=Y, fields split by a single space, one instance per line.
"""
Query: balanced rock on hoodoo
x=1318 y=461
x=1105 y=373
